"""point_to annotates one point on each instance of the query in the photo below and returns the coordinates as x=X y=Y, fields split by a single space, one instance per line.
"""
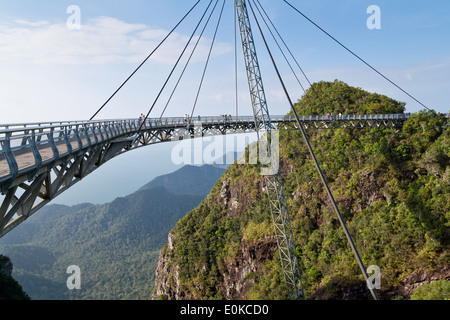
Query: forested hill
x=391 y=185
x=194 y=180
x=116 y=245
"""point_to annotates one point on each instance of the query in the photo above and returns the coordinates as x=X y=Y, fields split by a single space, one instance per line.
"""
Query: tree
x=438 y=290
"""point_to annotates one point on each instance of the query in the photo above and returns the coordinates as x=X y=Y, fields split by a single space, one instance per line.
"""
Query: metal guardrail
x=28 y=140
x=4 y=128
x=39 y=161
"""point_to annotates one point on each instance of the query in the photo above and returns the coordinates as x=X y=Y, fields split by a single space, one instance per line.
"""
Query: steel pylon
x=272 y=174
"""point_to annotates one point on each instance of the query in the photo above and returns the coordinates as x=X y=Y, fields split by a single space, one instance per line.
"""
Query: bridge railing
x=344 y=117
x=23 y=127
x=29 y=146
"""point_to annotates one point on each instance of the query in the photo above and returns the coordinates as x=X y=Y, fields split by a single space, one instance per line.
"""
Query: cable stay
x=171 y=72
x=189 y=59
x=357 y=56
x=330 y=194
x=236 y=77
x=279 y=47
x=261 y=8
x=284 y=43
x=145 y=60
x=207 y=62
x=274 y=181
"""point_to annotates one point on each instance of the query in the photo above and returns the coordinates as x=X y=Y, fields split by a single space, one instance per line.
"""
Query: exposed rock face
x=236 y=197
x=358 y=291
x=224 y=192
x=167 y=282
x=235 y=282
x=421 y=277
x=167 y=279
x=335 y=290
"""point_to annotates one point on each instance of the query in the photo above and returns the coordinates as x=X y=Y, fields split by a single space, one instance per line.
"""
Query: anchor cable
x=311 y=87
x=236 y=77
x=354 y=54
x=173 y=70
x=207 y=61
x=341 y=219
x=188 y=61
x=279 y=47
x=146 y=59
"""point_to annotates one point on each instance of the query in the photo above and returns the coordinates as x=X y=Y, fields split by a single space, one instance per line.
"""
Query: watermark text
x=74 y=281
x=74 y=20
x=374 y=21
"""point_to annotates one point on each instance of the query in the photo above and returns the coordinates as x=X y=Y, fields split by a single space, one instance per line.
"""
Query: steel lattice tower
x=273 y=178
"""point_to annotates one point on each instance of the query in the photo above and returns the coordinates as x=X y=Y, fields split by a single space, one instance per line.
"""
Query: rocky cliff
x=392 y=188
x=238 y=275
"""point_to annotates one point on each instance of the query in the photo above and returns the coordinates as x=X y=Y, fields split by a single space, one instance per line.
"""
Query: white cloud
x=101 y=40
x=31 y=24
x=49 y=72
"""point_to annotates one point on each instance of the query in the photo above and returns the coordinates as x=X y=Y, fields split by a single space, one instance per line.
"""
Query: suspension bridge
x=45 y=159
x=39 y=161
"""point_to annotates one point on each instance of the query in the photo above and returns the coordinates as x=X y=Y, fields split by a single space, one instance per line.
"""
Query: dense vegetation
x=438 y=290
x=392 y=185
x=116 y=245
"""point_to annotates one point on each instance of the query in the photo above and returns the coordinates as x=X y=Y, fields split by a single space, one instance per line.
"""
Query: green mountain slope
x=116 y=245
x=392 y=186
x=188 y=180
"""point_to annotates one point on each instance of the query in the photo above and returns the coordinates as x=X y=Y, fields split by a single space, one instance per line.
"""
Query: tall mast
x=273 y=178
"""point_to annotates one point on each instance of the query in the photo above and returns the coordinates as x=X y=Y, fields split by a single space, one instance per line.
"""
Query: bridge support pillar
x=274 y=180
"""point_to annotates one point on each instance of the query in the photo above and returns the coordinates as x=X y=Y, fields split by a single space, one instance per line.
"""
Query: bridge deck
x=39 y=161
x=26 y=146
x=25 y=157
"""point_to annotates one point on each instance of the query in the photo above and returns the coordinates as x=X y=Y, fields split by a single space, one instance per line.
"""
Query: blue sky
x=51 y=73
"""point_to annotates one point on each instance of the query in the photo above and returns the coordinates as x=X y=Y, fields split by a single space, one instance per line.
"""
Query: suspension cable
x=190 y=57
x=279 y=47
x=146 y=59
x=341 y=219
x=354 y=54
x=311 y=87
x=236 y=62
x=173 y=69
x=207 y=61
x=284 y=42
